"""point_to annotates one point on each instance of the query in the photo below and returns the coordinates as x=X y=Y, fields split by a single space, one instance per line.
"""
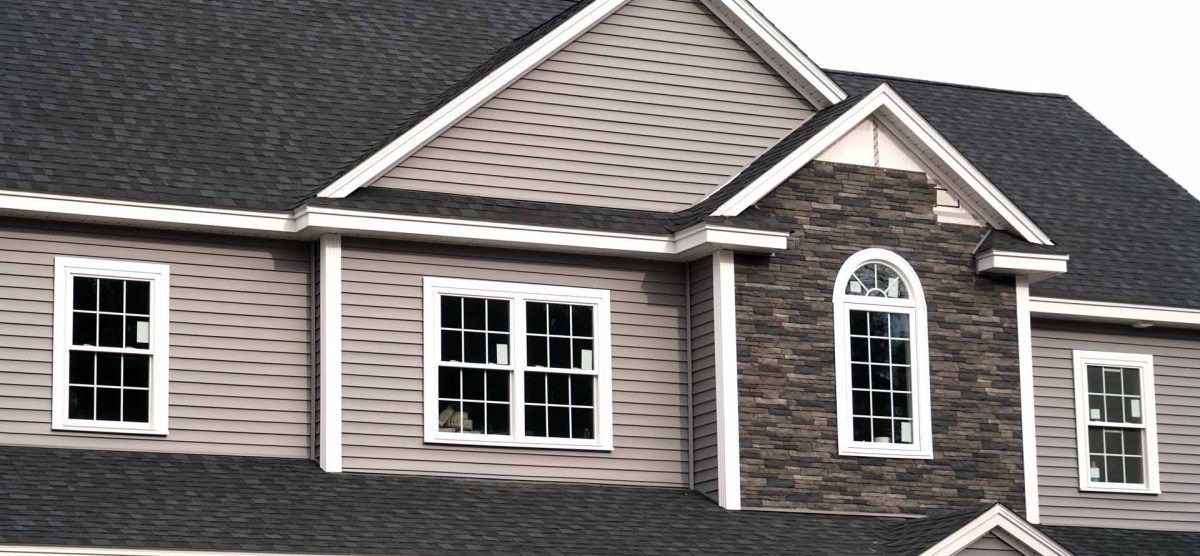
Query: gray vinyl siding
x=382 y=367
x=704 y=397
x=239 y=338
x=989 y=545
x=651 y=109
x=1177 y=388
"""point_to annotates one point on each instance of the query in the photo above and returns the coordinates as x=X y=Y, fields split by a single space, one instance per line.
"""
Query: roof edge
x=1001 y=520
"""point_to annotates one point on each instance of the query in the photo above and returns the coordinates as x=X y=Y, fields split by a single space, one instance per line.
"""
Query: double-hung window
x=110 y=346
x=882 y=361
x=517 y=365
x=1114 y=401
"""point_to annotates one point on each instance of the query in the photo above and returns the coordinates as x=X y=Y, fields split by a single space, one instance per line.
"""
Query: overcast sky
x=1131 y=64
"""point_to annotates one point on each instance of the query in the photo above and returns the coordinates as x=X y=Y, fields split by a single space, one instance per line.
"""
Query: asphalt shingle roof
x=1094 y=541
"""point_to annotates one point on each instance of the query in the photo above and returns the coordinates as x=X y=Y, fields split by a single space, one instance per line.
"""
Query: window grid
x=881 y=377
x=1116 y=439
x=474 y=376
x=110 y=353
x=560 y=405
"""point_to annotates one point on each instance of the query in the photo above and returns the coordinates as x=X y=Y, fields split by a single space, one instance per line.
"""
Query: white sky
x=1133 y=65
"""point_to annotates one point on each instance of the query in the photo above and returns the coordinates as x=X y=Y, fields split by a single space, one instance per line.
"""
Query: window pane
x=881 y=430
x=108 y=404
x=474 y=347
x=82 y=369
x=498 y=349
x=1133 y=410
x=452 y=346
x=859 y=350
x=448 y=383
x=137 y=332
x=1113 y=441
x=860 y=402
x=1112 y=409
x=497 y=315
x=84 y=292
x=860 y=376
x=902 y=405
x=538 y=352
x=900 y=379
x=582 y=423
x=451 y=311
x=902 y=432
x=581 y=321
x=1115 y=469
x=900 y=352
x=862 y=429
x=137 y=371
x=560 y=353
x=535 y=420
x=497 y=386
x=557 y=389
x=108 y=369
x=1096 y=408
x=878 y=324
x=498 y=421
x=881 y=377
x=1096 y=469
x=582 y=355
x=881 y=404
x=560 y=319
x=112 y=295
x=581 y=390
x=535 y=388
x=1095 y=440
x=449 y=416
x=559 y=424
x=83 y=329
x=899 y=325
x=1134 y=471
x=1112 y=381
x=1133 y=443
x=473 y=313
x=80 y=403
x=473 y=417
x=858 y=322
x=535 y=318
x=137 y=297
x=1132 y=382
x=137 y=406
x=472 y=385
x=1095 y=380
x=879 y=350
x=112 y=330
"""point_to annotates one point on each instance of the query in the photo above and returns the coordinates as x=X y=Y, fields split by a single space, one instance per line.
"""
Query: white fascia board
x=1007 y=525
x=886 y=100
x=1021 y=264
x=459 y=107
x=686 y=243
x=1101 y=311
x=780 y=52
x=137 y=213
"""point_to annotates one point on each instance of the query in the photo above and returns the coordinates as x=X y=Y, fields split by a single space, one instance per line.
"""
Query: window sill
x=1121 y=489
x=106 y=429
x=459 y=441
x=876 y=452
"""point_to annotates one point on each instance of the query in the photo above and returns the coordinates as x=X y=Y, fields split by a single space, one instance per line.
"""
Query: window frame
x=1145 y=362
x=843 y=303
x=518 y=295
x=159 y=276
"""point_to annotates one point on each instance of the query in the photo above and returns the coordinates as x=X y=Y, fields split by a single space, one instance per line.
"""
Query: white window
x=110 y=346
x=1118 y=437
x=517 y=365
x=882 y=358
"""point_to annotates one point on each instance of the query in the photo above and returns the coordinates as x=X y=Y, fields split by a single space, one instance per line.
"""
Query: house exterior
x=608 y=276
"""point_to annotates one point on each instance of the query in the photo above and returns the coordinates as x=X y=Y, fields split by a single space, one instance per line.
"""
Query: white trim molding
x=1003 y=523
x=1144 y=363
x=158 y=334
x=1103 y=311
x=729 y=473
x=515 y=363
x=956 y=172
x=914 y=306
x=1036 y=266
x=331 y=353
x=1028 y=402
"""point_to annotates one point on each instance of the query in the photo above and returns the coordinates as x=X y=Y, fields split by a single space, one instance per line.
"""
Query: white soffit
x=903 y=122
x=739 y=15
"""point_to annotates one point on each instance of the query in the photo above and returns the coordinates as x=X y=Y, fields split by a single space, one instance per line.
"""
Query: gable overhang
x=1003 y=523
x=1035 y=266
x=741 y=16
x=950 y=167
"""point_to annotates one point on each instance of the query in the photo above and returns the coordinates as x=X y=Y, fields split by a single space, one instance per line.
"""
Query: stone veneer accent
x=788 y=410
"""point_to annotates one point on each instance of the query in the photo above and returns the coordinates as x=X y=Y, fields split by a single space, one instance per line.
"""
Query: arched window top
x=876 y=279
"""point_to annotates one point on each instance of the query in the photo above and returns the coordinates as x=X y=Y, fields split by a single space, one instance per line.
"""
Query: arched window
x=881 y=339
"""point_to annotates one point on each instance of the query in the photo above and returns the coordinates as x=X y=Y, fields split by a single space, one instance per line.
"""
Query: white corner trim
x=1037 y=265
x=1002 y=520
x=1103 y=311
x=331 y=353
x=1145 y=362
x=780 y=52
x=729 y=474
x=1028 y=402
x=435 y=124
x=159 y=275
x=885 y=99
x=915 y=307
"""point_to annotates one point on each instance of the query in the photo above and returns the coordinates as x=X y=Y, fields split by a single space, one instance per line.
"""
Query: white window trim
x=922 y=446
x=1150 y=420
x=519 y=294
x=65 y=268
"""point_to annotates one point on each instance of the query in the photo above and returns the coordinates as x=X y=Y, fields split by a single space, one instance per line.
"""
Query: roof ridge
x=948 y=84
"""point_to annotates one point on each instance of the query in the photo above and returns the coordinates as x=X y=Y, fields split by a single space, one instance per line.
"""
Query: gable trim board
x=1006 y=525
x=796 y=68
x=1103 y=311
x=969 y=184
